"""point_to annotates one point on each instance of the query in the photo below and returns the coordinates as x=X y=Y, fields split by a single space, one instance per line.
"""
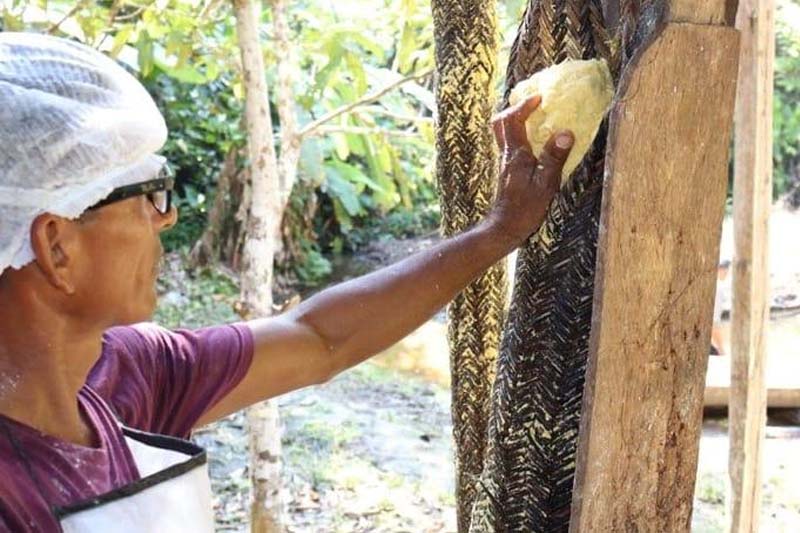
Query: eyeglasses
x=158 y=191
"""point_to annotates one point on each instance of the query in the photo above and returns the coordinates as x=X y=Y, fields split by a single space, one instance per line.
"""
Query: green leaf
x=145 y=49
x=172 y=67
x=153 y=24
x=386 y=197
x=357 y=71
x=12 y=23
x=406 y=47
x=347 y=34
x=343 y=191
x=341 y=145
x=337 y=244
x=311 y=162
x=354 y=175
x=121 y=39
x=384 y=157
x=212 y=69
x=402 y=179
x=356 y=144
x=323 y=77
x=342 y=217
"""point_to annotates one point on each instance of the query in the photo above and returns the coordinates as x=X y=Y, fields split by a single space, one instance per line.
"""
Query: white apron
x=173 y=494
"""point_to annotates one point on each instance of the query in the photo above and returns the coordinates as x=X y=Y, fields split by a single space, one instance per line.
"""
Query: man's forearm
x=361 y=317
x=345 y=324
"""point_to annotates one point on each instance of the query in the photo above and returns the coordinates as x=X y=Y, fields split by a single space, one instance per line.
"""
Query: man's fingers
x=515 y=134
x=509 y=125
x=551 y=162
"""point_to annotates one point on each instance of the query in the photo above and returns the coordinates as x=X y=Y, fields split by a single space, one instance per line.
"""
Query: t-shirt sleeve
x=163 y=381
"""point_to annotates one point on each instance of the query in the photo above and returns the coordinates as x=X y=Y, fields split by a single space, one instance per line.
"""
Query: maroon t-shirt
x=148 y=377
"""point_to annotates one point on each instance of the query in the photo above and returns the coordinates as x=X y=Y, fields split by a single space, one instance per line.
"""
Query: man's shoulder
x=144 y=341
x=133 y=334
x=163 y=380
x=125 y=360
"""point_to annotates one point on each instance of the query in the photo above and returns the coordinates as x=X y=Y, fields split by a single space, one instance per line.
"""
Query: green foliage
x=181 y=50
x=364 y=164
x=204 y=123
x=314 y=268
x=369 y=170
x=399 y=224
x=786 y=111
x=378 y=158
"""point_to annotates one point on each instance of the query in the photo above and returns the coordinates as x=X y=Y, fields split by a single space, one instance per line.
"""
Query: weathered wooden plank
x=751 y=205
x=703 y=12
x=666 y=176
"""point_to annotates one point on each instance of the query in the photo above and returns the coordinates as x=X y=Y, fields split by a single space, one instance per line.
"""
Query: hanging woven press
x=466 y=170
x=529 y=467
x=529 y=461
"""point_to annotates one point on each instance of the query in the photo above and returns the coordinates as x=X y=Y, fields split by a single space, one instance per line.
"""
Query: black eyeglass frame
x=165 y=184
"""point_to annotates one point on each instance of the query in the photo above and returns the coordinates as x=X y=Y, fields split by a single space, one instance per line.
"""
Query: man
x=82 y=206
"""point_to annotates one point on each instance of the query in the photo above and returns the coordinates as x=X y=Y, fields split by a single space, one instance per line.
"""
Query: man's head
x=99 y=267
x=75 y=129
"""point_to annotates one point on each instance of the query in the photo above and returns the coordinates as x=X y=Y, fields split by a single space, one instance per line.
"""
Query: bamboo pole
x=751 y=207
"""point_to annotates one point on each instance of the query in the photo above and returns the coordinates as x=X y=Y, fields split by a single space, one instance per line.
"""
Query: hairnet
x=74 y=125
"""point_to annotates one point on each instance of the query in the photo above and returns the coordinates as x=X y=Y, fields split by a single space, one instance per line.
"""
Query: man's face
x=119 y=259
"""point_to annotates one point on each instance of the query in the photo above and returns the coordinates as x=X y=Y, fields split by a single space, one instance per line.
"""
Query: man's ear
x=52 y=240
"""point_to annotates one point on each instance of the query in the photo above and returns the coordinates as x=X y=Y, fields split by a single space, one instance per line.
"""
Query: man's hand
x=527 y=185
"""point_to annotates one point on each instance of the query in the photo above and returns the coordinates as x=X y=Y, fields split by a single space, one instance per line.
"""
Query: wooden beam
x=704 y=12
x=666 y=180
x=782 y=381
x=783 y=398
x=751 y=205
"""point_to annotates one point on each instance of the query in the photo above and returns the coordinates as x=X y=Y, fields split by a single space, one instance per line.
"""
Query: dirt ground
x=371 y=450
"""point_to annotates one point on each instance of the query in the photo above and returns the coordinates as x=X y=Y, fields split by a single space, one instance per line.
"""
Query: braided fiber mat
x=466 y=55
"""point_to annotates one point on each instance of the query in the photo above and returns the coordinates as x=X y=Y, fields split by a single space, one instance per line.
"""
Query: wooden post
x=666 y=181
x=752 y=198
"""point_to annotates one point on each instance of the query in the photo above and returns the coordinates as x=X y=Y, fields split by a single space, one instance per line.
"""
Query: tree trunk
x=222 y=239
x=259 y=251
x=287 y=67
x=291 y=141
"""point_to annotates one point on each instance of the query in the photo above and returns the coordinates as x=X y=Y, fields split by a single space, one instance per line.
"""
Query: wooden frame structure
x=666 y=170
x=666 y=177
x=752 y=199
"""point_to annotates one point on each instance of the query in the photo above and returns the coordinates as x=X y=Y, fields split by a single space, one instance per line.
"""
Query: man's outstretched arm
x=348 y=323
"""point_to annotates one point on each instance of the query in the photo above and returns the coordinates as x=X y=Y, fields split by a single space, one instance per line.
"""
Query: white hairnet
x=74 y=125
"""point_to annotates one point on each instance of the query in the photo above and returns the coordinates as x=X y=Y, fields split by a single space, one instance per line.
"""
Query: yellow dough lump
x=575 y=96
